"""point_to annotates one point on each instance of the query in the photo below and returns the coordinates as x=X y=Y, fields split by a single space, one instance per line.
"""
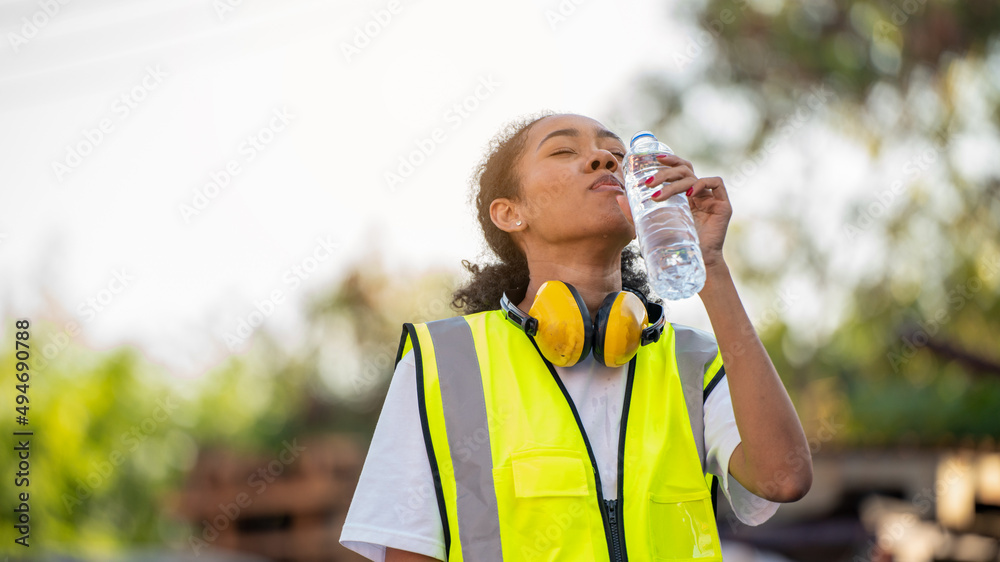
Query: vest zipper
x=616 y=549
x=618 y=505
x=614 y=521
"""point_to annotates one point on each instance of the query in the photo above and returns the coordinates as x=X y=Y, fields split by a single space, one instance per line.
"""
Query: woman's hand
x=773 y=459
x=709 y=203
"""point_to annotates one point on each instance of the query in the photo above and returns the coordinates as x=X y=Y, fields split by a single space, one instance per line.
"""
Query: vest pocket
x=683 y=527
x=540 y=473
x=547 y=512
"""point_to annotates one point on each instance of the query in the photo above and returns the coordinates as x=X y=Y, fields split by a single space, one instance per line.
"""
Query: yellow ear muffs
x=565 y=331
x=560 y=325
x=620 y=322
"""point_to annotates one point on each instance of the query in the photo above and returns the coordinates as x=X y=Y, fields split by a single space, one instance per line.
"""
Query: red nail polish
x=658 y=192
x=688 y=192
x=649 y=180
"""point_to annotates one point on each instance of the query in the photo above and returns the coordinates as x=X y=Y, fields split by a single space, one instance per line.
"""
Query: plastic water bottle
x=668 y=240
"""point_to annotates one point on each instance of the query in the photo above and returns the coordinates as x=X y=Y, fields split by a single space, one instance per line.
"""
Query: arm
x=393 y=555
x=391 y=506
x=773 y=459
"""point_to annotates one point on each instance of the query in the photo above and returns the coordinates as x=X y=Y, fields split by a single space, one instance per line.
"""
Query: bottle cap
x=639 y=135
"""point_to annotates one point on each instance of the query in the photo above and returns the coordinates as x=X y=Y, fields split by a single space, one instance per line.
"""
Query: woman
x=535 y=479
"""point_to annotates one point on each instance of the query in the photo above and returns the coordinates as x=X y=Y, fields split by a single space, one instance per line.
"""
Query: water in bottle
x=667 y=236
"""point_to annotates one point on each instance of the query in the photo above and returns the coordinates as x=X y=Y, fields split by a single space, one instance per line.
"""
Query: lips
x=608 y=180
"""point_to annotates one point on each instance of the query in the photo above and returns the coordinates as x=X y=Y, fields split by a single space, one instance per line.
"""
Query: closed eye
x=617 y=153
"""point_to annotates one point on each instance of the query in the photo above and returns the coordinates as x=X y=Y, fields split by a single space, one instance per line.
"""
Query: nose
x=604 y=159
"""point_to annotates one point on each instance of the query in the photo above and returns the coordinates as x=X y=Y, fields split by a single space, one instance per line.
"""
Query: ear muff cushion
x=565 y=330
x=619 y=328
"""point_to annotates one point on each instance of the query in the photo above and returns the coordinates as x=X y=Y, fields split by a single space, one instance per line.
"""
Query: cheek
x=558 y=192
x=626 y=210
x=565 y=177
x=545 y=194
x=546 y=202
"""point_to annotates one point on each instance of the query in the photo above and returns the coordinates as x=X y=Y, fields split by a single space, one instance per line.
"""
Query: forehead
x=585 y=125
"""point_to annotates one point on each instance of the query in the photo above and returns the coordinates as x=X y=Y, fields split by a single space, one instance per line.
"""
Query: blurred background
x=216 y=215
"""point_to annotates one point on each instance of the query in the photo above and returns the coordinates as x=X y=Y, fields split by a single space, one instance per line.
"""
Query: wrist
x=716 y=274
x=714 y=263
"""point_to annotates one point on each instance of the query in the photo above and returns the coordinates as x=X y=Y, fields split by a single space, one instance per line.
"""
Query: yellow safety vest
x=514 y=473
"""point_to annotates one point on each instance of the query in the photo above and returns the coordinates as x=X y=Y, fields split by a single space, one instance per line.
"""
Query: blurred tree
x=107 y=444
x=114 y=434
x=873 y=129
x=355 y=331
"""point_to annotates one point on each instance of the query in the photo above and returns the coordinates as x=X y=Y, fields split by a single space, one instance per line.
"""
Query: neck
x=593 y=274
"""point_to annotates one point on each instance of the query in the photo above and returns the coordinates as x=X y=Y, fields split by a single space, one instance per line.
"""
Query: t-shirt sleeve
x=394 y=504
x=721 y=439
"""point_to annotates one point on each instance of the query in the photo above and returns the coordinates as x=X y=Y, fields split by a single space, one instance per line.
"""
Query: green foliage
x=903 y=346
x=903 y=350
x=115 y=435
x=105 y=448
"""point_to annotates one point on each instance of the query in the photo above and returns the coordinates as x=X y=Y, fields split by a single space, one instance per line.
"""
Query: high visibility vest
x=514 y=474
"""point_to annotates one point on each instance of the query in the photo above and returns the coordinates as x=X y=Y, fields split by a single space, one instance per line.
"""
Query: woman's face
x=571 y=183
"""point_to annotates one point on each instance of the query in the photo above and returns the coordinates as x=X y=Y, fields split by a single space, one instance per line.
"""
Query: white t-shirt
x=394 y=504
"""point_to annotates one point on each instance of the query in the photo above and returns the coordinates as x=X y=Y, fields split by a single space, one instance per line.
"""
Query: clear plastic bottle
x=667 y=236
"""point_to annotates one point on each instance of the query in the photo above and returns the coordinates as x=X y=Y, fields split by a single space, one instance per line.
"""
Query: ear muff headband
x=601 y=325
x=560 y=323
x=651 y=333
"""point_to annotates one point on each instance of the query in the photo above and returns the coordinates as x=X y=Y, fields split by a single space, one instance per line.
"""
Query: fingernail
x=649 y=180
x=688 y=192
x=658 y=192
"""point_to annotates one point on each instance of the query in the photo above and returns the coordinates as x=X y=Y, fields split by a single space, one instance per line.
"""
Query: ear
x=505 y=214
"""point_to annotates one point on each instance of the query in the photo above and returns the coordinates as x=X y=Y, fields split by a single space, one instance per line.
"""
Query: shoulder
x=415 y=333
x=695 y=346
x=475 y=317
x=691 y=339
x=483 y=324
x=699 y=362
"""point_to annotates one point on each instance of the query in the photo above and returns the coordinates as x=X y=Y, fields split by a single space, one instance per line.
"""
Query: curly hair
x=494 y=177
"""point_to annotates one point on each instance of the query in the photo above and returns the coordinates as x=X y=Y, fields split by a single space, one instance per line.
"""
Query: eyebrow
x=601 y=133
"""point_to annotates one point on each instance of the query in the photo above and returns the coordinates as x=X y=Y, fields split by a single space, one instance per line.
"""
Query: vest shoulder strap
x=699 y=365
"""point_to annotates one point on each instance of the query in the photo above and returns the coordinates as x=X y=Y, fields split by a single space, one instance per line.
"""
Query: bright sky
x=178 y=160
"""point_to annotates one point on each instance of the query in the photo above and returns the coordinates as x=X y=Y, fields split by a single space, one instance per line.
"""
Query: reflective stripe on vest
x=462 y=399
x=514 y=474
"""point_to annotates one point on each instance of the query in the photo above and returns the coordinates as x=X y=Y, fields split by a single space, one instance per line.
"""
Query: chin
x=622 y=226
x=620 y=230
